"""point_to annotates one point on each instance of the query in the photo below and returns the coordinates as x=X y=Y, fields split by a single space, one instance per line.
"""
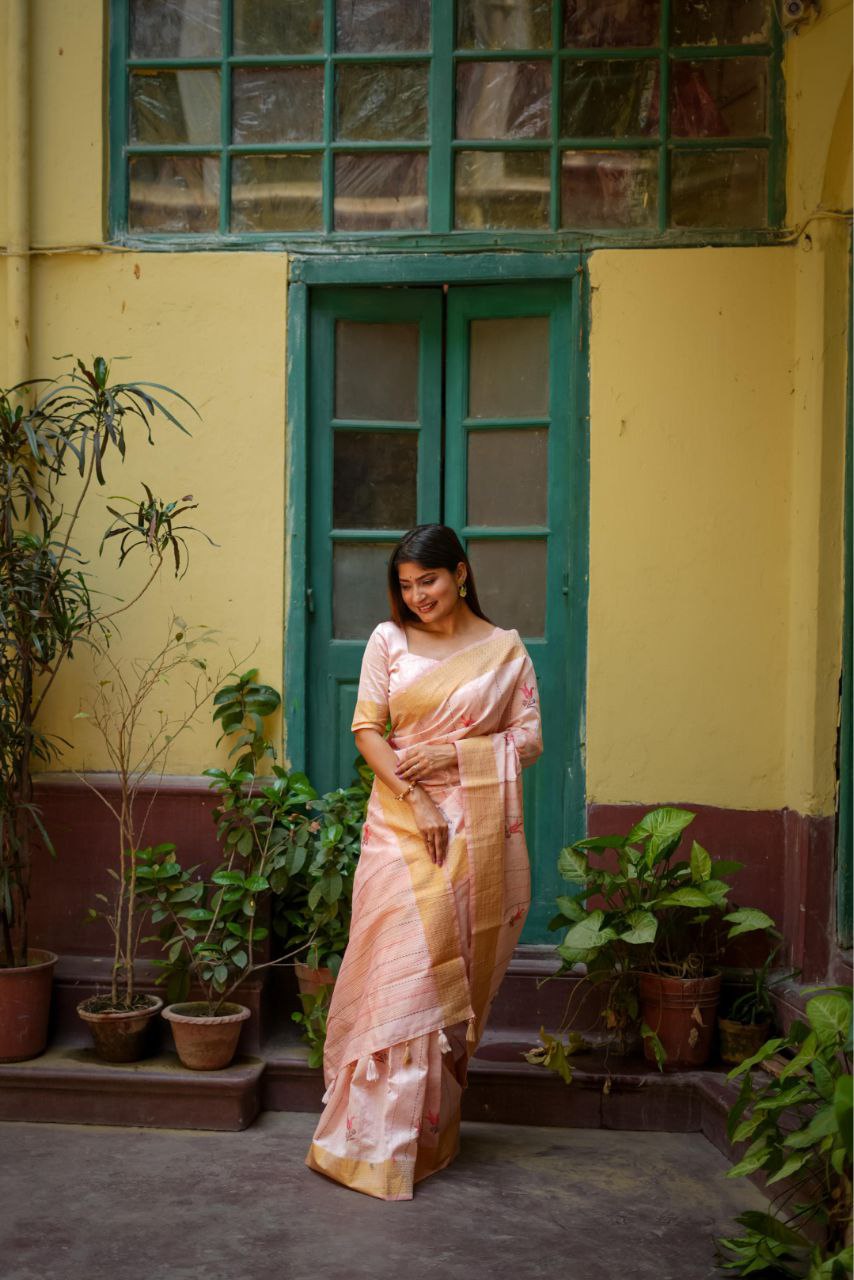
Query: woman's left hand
x=419 y=762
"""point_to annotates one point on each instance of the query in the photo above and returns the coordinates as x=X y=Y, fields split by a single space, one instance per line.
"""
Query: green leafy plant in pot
x=656 y=936
x=48 y=611
x=749 y=1013
x=209 y=928
x=798 y=1125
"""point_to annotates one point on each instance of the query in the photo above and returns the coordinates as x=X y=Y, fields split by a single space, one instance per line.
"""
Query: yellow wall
x=717 y=414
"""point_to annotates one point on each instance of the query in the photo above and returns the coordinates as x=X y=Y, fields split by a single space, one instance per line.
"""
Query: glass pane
x=175 y=29
x=504 y=99
x=609 y=189
x=590 y=24
x=276 y=193
x=379 y=26
x=359 y=588
x=380 y=191
x=509 y=368
x=284 y=104
x=714 y=22
x=374 y=480
x=502 y=190
x=376 y=371
x=174 y=106
x=719 y=97
x=173 y=193
x=483 y=24
x=379 y=101
x=508 y=477
x=718 y=188
x=288 y=26
x=511 y=582
x=612 y=98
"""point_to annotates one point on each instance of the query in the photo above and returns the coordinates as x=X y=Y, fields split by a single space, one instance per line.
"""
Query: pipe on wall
x=18 y=190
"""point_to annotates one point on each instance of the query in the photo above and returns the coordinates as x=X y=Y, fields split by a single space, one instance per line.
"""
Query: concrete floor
x=92 y=1203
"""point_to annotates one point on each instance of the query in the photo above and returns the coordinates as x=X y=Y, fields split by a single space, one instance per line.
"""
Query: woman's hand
x=420 y=761
x=432 y=824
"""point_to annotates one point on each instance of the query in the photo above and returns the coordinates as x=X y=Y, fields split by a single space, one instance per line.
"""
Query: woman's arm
x=429 y=819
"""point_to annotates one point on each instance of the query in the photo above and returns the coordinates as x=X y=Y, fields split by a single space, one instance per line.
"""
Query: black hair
x=433 y=546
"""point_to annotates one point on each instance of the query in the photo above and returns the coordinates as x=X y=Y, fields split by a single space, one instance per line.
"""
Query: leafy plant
x=312 y=1020
x=47 y=606
x=656 y=911
x=756 y=1005
x=799 y=1126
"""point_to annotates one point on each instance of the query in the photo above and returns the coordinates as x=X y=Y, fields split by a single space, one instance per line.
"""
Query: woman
x=442 y=886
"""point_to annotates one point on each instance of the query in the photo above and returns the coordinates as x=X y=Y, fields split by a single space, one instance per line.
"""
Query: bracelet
x=405 y=793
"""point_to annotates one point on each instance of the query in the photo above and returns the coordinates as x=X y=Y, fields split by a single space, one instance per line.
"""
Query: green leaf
x=314 y=895
x=822 y=1123
x=227 y=877
x=660 y=826
x=589 y=932
x=256 y=883
x=802 y=1058
x=830 y=1017
x=644 y=928
x=701 y=863
x=766 y=1224
x=843 y=1105
x=573 y=866
x=746 y=919
x=769 y=1047
x=757 y=1155
x=570 y=908
x=689 y=896
x=790 y=1166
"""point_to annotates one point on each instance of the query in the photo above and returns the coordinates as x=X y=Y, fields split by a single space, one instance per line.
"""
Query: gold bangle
x=405 y=793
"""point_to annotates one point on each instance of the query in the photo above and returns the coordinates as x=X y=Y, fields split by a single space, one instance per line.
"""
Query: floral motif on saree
x=428 y=945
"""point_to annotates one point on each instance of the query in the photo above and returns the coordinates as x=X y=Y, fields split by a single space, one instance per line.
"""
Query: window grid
x=440 y=144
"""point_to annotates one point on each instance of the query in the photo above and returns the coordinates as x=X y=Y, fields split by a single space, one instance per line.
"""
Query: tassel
x=326 y=1097
x=407 y=1054
x=372 y=1073
x=471 y=1033
x=444 y=1045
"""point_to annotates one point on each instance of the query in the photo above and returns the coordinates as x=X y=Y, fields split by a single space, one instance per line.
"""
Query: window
x=247 y=118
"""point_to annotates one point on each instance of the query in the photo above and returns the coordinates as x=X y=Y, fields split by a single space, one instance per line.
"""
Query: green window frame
x=440 y=145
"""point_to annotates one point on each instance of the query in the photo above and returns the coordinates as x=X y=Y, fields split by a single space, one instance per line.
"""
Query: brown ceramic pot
x=740 y=1040
x=120 y=1036
x=312 y=981
x=681 y=1011
x=203 y=1042
x=25 y=1007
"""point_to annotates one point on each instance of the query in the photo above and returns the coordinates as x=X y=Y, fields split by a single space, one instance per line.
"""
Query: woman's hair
x=433 y=546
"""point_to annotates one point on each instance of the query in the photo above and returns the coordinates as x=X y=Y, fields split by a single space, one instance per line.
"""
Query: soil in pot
x=121 y=1035
x=205 y=1041
x=740 y=1040
x=312 y=981
x=25 y=1007
x=681 y=1011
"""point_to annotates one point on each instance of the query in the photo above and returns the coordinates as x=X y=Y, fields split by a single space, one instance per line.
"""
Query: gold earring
x=463 y=591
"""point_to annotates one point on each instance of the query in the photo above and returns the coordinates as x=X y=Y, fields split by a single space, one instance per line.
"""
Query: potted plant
x=749 y=1013
x=47 y=612
x=798 y=1124
x=647 y=922
x=209 y=928
x=138 y=714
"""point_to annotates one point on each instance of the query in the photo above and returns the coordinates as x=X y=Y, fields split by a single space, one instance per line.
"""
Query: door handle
x=309 y=599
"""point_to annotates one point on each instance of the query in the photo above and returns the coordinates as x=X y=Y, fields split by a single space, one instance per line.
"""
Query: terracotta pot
x=740 y=1040
x=120 y=1036
x=312 y=981
x=203 y=1042
x=25 y=1007
x=681 y=1011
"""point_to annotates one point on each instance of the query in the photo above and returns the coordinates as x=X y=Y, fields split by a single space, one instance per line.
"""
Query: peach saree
x=428 y=945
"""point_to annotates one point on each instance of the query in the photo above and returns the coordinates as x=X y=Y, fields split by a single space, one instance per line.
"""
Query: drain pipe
x=18 y=191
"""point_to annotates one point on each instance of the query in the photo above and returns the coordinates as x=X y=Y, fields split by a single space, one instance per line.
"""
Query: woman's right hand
x=432 y=824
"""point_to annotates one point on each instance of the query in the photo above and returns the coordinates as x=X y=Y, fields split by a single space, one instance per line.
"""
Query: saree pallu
x=428 y=945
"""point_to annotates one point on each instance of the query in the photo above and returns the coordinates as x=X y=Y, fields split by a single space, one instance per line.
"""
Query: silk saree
x=428 y=945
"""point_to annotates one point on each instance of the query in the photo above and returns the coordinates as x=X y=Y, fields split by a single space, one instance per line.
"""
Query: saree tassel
x=326 y=1097
x=444 y=1044
x=372 y=1073
x=471 y=1033
x=407 y=1054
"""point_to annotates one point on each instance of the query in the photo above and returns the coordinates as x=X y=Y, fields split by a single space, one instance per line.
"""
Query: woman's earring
x=463 y=591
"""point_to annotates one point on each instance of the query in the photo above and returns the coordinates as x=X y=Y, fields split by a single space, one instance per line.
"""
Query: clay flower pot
x=25 y=1006
x=312 y=981
x=205 y=1042
x=681 y=1011
x=740 y=1040
x=120 y=1035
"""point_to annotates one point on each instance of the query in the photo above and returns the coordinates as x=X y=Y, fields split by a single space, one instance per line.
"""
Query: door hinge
x=309 y=599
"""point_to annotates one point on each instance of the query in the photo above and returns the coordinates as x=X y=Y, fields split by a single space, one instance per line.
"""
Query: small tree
x=47 y=608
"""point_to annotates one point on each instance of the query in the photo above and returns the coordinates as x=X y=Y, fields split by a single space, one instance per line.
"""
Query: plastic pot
x=25 y=1006
x=120 y=1035
x=205 y=1042
x=681 y=1011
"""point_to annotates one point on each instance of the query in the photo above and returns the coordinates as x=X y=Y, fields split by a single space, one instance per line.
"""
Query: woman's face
x=431 y=594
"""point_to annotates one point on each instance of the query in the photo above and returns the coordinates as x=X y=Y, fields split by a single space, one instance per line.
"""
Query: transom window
x=314 y=117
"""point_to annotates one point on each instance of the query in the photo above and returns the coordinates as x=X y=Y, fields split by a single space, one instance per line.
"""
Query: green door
x=449 y=405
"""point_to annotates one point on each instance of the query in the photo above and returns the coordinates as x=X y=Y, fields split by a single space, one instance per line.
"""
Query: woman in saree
x=443 y=884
